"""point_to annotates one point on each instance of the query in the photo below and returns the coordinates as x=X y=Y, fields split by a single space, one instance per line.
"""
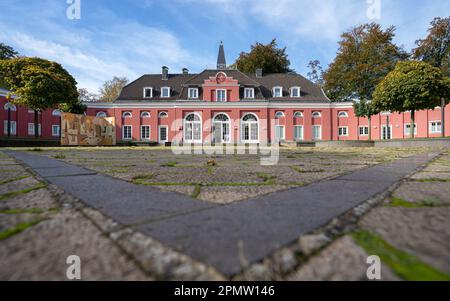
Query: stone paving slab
x=212 y=233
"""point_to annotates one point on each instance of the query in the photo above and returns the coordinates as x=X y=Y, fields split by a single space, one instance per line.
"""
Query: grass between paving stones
x=20 y=192
x=406 y=266
x=21 y=211
x=13 y=180
x=197 y=191
x=300 y=170
x=426 y=203
x=169 y=164
x=59 y=156
x=18 y=229
x=431 y=180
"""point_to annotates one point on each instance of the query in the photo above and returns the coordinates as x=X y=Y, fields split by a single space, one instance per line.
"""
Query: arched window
x=163 y=115
x=279 y=114
x=316 y=115
x=56 y=113
x=342 y=114
x=250 y=128
x=145 y=115
x=127 y=115
x=101 y=114
x=298 y=114
x=193 y=128
x=10 y=106
x=221 y=128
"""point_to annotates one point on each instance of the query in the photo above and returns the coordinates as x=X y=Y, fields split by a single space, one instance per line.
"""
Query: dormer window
x=277 y=91
x=165 y=92
x=193 y=93
x=295 y=92
x=148 y=92
x=249 y=93
x=221 y=95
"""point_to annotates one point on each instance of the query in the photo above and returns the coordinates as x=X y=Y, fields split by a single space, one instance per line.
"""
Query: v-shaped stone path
x=212 y=233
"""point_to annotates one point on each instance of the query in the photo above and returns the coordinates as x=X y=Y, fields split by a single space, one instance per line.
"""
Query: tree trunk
x=443 y=117
x=36 y=124
x=9 y=122
x=370 y=128
x=412 y=124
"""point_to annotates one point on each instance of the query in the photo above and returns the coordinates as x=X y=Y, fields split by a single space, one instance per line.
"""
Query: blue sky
x=133 y=37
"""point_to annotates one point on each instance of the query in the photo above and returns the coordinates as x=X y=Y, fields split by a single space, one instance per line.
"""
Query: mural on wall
x=87 y=130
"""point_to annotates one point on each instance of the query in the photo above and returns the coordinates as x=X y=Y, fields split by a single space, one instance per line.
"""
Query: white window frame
x=225 y=95
x=56 y=113
x=193 y=90
x=149 y=132
x=163 y=114
x=407 y=131
x=389 y=132
x=159 y=133
x=165 y=89
x=437 y=128
x=342 y=114
x=363 y=128
x=58 y=132
x=192 y=124
x=31 y=129
x=301 y=133
x=12 y=125
x=293 y=89
x=343 y=131
x=298 y=114
x=123 y=132
x=222 y=124
x=283 y=132
x=145 y=114
x=11 y=107
x=249 y=124
x=145 y=89
x=250 y=91
x=317 y=113
x=101 y=114
x=127 y=114
x=279 y=114
x=275 y=89
x=320 y=132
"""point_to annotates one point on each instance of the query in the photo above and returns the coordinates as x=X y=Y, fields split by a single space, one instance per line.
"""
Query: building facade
x=227 y=106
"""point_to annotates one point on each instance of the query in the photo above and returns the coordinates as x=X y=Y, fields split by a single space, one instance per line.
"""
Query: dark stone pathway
x=211 y=233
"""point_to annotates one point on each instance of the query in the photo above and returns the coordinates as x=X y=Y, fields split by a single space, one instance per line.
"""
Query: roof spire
x=221 y=63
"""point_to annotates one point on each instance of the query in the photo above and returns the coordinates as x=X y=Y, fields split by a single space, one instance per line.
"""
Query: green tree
x=7 y=52
x=435 y=49
x=364 y=108
x=366 y=54
x=268 y=57
x=315 y=73
x=39 y=84
x=411 y=86
x=111 y=89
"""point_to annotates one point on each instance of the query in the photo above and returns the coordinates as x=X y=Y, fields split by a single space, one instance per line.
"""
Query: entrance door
x=162 y=135
x=317 y=132
x=386 y=134
x=221 y=129
x=279 y=133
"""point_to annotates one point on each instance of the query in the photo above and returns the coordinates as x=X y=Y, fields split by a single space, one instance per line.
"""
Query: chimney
x=185 y=71
x=165 y=73
x=259 y=72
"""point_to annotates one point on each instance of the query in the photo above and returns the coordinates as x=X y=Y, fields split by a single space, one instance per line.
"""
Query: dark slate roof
x=221 y=62
x=179 y=84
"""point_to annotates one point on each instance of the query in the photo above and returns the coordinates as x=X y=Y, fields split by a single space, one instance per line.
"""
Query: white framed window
x=126 y=132
x=12 y=126
x=56 y=130
x=221 y=95
x=408 y=129
x=56 y=113
x=193 y=128
x=165 y=92
x=298 y=132
x=193 y=93
x=279 y=133
x=435 y=127
x=279 y=114
x=250 y=128
x=295 y=92
x=148 y=92
x=11 y=107
x=317 y=132
x=298 y=114
x=145 y=114
x=145 y=132
x=127 y=115
x=316 y=115
x=364 y=131
x=249 y=93
x=162 y=134
x=31 y=129
x=163 y=115
x=342 y=114
x=101 y=115
x=277 y=92
x=343 y=131
x=221 y=128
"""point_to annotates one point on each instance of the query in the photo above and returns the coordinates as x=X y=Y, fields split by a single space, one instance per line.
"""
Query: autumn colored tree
x=364 y=108
x=39 y=84
x=315 y=73
x=411 y=86
x=111 y=89
x=435 y=49
x=268 y=57
x=366 y=54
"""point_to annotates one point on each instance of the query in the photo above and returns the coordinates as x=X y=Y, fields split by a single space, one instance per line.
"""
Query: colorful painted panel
x=87 y=130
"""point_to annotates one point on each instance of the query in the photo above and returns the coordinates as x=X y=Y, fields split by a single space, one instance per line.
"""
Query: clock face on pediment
x=221 y=77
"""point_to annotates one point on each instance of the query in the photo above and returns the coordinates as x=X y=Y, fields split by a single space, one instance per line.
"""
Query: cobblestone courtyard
x=407 y=226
